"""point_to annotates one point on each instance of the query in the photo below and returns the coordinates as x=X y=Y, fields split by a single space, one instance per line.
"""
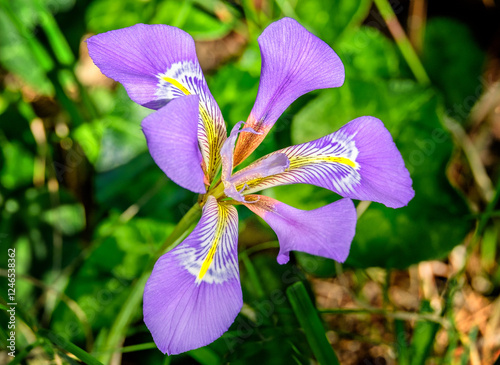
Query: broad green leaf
x=367 y=53
x=201 y=24
x=18 y=167
x=69 y=219
x=122 y=137
x=454 y=63
x=329 y=19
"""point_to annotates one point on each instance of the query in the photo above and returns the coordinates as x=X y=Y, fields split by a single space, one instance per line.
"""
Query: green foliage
x=88 y=228
x=104 y=15
x=309 y=320
x=454 y=62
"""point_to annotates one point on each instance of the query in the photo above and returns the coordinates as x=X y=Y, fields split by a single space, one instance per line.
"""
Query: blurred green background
x=86 y=208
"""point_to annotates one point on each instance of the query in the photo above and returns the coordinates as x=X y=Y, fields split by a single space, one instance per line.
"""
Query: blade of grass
x=402 y=347
x=423 y=337
x=310 y=321
x=56 y=39
x=65 y=345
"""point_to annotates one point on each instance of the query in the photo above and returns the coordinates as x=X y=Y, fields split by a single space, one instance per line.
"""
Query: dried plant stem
x=479 y=173
x=402 y=41
x=416 y=23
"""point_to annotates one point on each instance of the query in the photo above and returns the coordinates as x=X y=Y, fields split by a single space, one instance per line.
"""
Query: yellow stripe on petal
x=329 y=162
x=298 y=161
x=222 y=220
x=177 y=84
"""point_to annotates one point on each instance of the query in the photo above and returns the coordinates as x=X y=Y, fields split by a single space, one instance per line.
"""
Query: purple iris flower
x=194 y=292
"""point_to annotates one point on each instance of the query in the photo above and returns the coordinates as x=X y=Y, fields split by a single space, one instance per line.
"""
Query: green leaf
x=205 y=356
x=69 y=219
x=423 y=337
x=121 y=138
x=400 y=334
x=16 y=55
x=18 y=167
x=367 y=53
x=310 y=321
x=201 y=24
x=106 y=15
x=329 y=19
x=454 y=63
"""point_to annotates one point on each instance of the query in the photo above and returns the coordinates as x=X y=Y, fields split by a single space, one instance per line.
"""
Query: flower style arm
x=327 y=231
x=194 y=293
x=294 y=62
x=156 y=64
x=359 y=161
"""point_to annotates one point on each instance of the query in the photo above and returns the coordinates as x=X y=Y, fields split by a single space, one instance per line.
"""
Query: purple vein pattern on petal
x=327 y=231
x=158 y=63
x=294 y=62
x=188 y=304
x=171 y=134
x=359 y=161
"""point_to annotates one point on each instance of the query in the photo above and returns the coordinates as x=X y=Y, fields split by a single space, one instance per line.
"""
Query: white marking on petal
x=220 y=229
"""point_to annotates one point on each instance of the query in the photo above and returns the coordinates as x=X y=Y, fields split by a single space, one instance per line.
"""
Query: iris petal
x=294 y=62
x=359 y=161
x=327 y=231
x=156 y=64
x=171 y=134
x=194 y=292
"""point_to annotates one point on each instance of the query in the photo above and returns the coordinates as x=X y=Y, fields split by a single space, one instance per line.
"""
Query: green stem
x=402 y=41
x=182 y=227
x=489 y=211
